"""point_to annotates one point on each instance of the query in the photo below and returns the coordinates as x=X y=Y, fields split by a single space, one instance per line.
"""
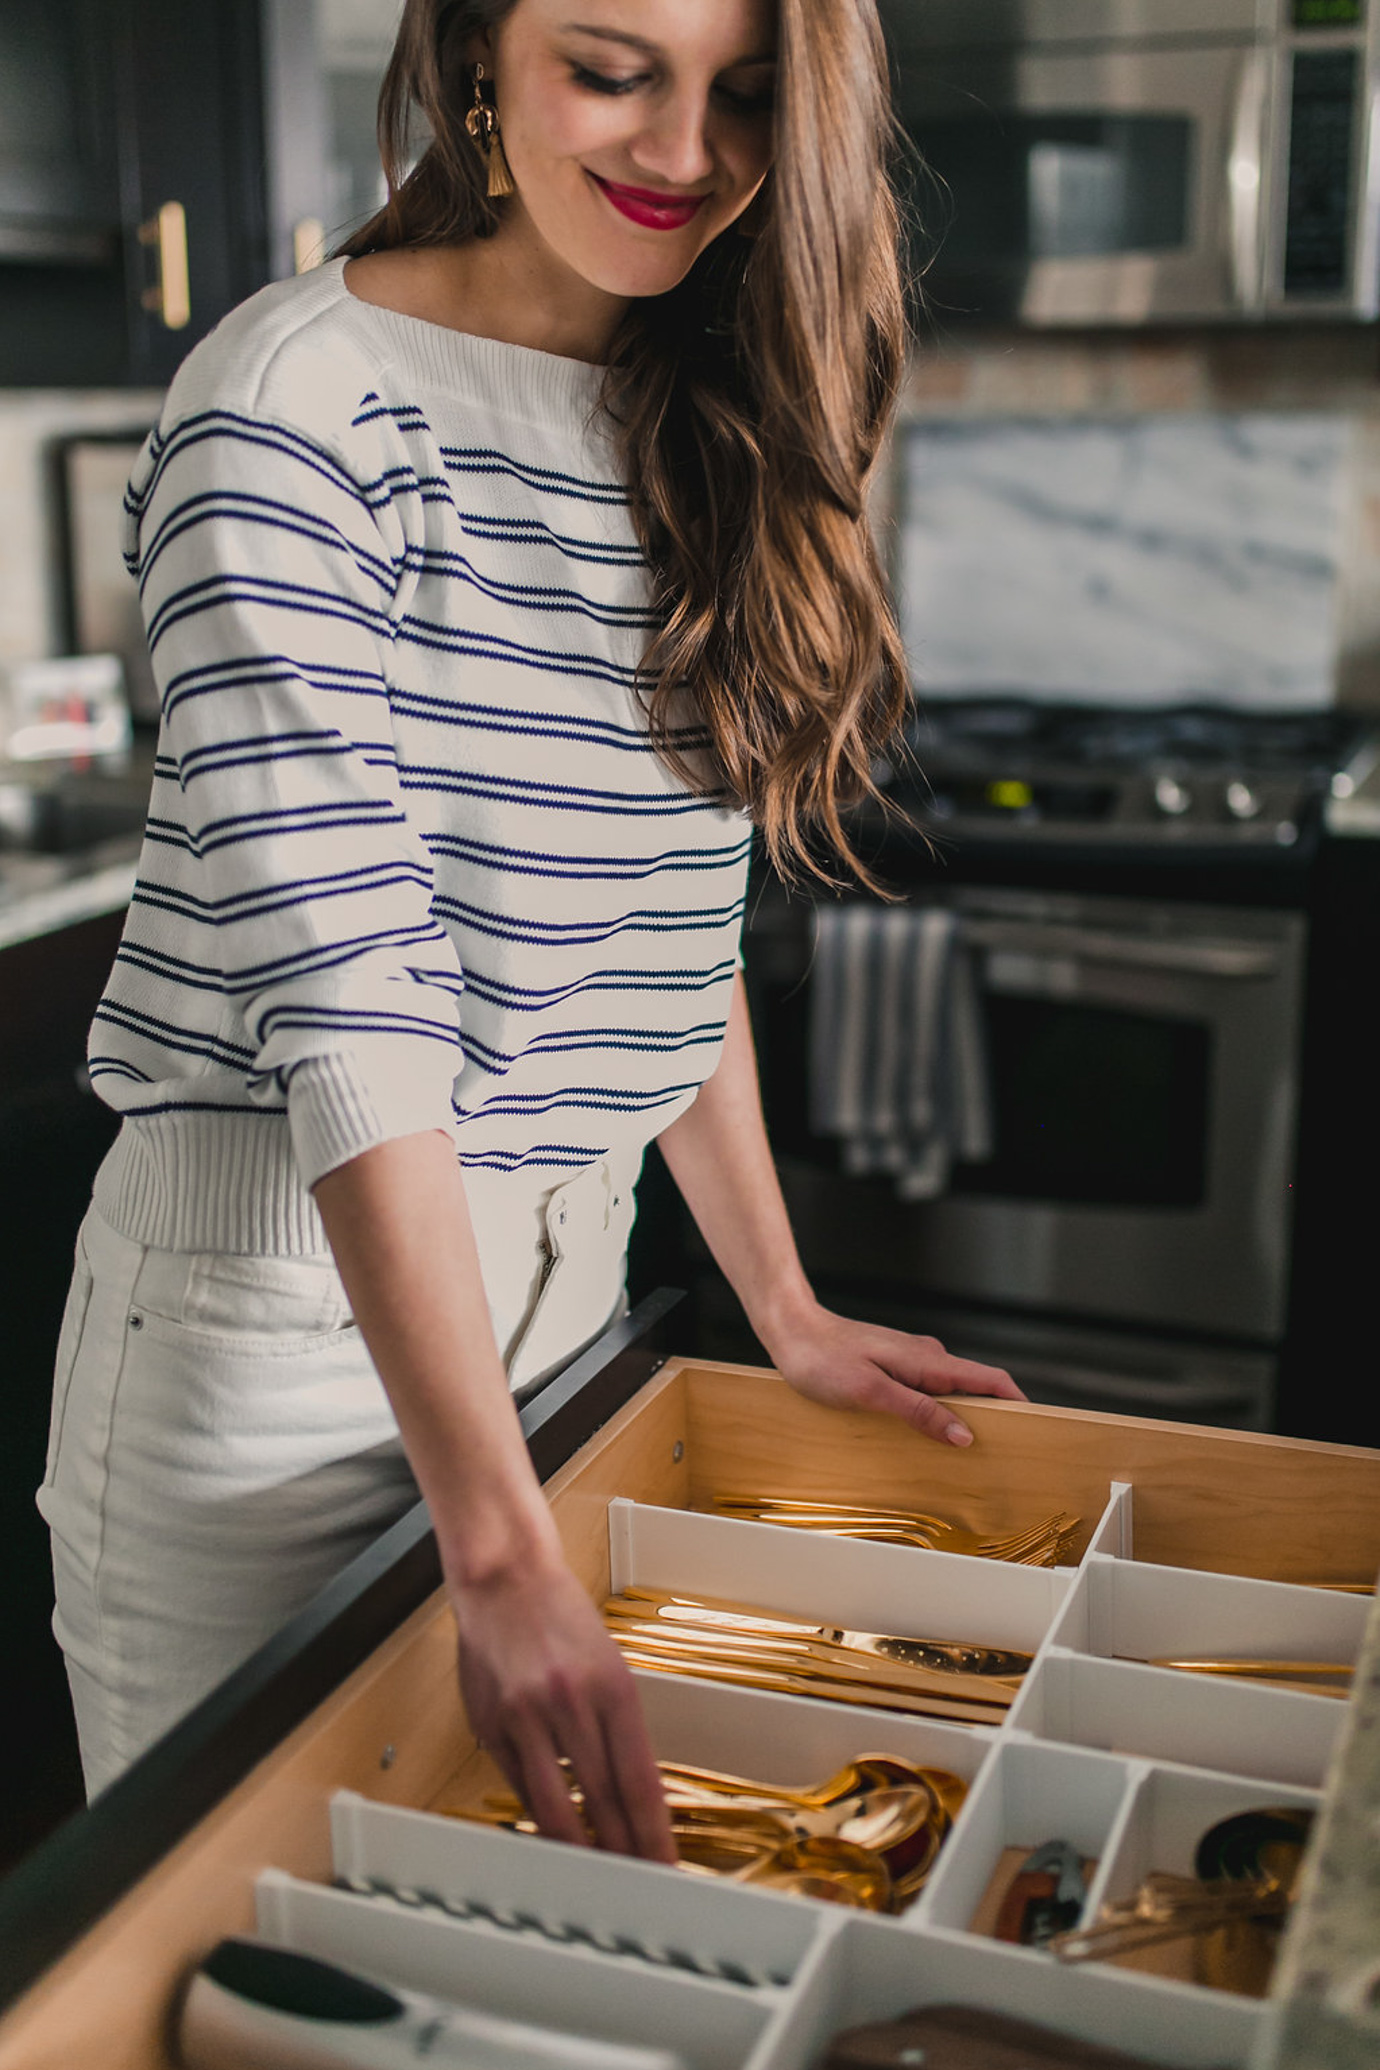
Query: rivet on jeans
x=136 y=1321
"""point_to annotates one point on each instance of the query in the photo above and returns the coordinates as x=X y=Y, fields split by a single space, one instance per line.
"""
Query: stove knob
x=1172 y=797
x=1242 y=801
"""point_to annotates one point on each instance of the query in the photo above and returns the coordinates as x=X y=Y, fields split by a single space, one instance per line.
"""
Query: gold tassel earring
x=482 y=124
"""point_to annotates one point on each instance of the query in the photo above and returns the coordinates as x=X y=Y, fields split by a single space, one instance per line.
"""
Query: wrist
x=783 y=1315
x=499 y=1541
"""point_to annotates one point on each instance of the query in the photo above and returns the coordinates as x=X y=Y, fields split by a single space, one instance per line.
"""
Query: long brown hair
x=750 y=404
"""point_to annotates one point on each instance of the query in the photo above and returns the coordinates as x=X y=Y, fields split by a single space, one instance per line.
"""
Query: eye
x=740 y=101
x=606 y=82
x=760 y=103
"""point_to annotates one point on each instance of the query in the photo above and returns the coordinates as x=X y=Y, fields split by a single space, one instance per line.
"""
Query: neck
x=513 y=288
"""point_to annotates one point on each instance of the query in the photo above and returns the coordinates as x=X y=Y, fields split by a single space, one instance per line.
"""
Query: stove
x=1127 y=779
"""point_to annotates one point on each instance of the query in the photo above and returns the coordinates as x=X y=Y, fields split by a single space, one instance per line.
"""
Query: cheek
x=563 y=129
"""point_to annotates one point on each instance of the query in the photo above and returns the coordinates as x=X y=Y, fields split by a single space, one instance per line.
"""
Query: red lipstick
x=653 y=210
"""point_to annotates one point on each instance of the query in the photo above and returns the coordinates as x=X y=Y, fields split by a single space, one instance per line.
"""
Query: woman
x=496 y=575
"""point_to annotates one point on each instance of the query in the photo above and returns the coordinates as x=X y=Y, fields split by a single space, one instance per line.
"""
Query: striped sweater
x=410 y=860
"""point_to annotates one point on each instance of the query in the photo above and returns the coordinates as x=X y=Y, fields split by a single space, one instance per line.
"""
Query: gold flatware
x=1039 y=1544
x=830 y=1840
x=830 y=1871
x=1314 y=1677
x=1171 y=1908
x=869 y=1772
x=943 y=1656
x=803 y=1658
x=787 y=1682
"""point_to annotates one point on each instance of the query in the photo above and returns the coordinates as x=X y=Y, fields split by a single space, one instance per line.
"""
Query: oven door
x=1142 y=1062
x=1102 y=185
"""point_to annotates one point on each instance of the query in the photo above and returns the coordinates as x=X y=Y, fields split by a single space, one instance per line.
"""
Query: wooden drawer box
x=1191 y=1539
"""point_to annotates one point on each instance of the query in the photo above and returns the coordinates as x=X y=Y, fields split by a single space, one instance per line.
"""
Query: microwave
x=1139 y=161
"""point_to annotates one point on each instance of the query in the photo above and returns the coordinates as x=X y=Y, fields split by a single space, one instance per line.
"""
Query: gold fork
x=1039 y=1545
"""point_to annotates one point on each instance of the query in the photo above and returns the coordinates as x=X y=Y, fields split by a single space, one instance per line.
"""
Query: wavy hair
x=749 y=404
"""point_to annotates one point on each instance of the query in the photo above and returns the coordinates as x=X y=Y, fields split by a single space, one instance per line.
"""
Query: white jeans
x=221 y=1444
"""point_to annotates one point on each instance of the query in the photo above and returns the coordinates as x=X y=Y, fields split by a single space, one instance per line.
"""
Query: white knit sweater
x=410 y=860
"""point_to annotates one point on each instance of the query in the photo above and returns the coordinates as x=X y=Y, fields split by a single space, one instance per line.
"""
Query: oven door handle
x=1216 y=959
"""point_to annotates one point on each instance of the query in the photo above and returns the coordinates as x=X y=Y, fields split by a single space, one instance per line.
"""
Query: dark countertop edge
x=72 y=1879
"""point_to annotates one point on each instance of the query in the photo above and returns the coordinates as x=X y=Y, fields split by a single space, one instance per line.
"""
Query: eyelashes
x=614 y=84
x=606 y=82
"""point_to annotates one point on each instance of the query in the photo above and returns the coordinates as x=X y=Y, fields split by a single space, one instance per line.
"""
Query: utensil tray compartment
x=1166 y=1510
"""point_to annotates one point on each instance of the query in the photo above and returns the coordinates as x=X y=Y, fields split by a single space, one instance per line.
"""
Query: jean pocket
x=68 y=1345
x=251 y=1303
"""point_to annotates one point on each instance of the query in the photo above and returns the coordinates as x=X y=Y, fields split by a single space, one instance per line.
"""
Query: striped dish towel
x=898 y=1067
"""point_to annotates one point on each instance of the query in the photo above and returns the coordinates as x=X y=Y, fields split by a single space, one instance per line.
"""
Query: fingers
x=920 y=1410
x=541 y=1781
x=639 y=1779
x=601 y=1733
x=594 y=1765
x=941 y=1372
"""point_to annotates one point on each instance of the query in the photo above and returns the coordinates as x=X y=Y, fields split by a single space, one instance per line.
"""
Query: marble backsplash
x=1167 y=558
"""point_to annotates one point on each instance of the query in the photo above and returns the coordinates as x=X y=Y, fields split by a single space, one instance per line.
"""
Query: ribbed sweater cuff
x=335 y=1112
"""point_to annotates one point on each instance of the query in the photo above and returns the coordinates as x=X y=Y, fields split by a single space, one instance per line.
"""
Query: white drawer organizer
x=1130 y=1763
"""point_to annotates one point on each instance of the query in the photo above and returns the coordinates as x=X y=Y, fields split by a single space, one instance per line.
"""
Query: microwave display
x=1318 y=218
x=1329 y=14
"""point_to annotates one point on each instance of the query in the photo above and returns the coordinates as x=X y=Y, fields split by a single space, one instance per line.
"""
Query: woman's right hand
x=542 y=1681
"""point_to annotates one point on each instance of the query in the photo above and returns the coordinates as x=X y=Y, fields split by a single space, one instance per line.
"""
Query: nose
x=673 y=145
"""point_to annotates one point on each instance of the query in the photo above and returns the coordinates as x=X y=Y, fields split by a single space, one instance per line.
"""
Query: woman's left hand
x=855 y=1365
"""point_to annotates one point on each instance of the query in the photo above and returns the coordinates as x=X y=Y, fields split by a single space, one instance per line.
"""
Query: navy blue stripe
x=595 y=869
x=268 y=514
x=526 y=927
x=518 y=790
x=219 y=591
x=486 y=460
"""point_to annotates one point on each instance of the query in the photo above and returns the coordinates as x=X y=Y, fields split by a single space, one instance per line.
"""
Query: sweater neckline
x=538 y=387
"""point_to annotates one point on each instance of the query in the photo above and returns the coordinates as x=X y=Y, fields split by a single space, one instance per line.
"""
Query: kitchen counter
x=41 y=894
x=71 y=845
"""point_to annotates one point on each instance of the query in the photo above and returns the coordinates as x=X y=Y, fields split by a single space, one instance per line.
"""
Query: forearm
x=399 y=1226
x=719 y=1156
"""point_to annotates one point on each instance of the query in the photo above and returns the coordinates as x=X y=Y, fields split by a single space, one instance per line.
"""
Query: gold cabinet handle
x=308 y=244
x=170 y=296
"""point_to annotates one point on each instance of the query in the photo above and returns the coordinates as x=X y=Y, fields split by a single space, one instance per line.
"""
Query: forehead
x=718 y=32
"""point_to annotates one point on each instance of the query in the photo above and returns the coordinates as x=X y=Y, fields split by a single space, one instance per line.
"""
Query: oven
x=1126 y=1240
x=1125 y=161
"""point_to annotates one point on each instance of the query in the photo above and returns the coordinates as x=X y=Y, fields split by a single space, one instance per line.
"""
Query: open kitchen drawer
x=309 y=1817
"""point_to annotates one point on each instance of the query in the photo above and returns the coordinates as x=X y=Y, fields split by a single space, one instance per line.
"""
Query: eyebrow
x=644 y=43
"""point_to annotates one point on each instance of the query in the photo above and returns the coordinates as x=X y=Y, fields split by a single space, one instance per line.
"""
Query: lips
x=653 y=210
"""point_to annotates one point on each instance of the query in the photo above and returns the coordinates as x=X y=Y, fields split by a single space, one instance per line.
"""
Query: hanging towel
x=898 y=1067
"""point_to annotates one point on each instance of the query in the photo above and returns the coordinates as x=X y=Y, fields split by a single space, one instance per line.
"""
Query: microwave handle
x=1245 y=178
x=1087 y=945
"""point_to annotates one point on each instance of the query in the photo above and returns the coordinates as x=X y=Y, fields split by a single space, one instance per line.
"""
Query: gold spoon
x=878 y=1819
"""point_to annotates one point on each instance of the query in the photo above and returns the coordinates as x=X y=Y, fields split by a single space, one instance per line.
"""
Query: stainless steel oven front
x=1126 y=161
x=1142 y=1065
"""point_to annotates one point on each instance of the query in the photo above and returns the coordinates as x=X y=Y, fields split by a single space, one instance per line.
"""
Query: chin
x=639 y=269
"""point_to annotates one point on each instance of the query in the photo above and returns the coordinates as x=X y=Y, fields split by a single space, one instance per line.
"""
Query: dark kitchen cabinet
x=111 y=113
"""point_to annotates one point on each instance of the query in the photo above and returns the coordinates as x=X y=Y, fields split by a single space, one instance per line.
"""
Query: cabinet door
x=110 y=109
x=194 y=102
x=59 y=186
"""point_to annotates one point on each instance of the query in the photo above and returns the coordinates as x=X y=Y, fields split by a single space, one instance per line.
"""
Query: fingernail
x=959 y=1434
